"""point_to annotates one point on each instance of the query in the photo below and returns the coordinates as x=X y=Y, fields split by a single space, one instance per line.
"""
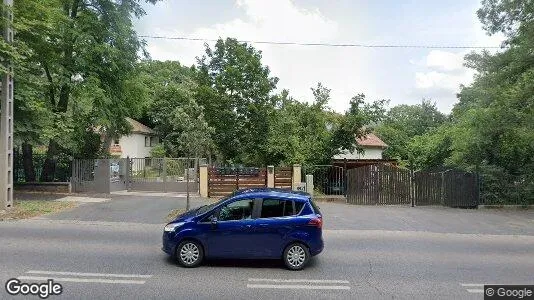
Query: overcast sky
x=404 y=76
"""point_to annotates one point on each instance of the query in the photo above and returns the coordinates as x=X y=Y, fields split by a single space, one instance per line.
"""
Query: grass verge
x=33 y=208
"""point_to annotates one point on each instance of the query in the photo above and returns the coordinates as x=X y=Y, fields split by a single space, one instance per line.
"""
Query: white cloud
x=442 y=72
x=281 y=20
x=441 y=80
x=445 y=61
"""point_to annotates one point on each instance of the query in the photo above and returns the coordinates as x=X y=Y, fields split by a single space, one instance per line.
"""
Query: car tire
x=296 y=256
x=189 y=254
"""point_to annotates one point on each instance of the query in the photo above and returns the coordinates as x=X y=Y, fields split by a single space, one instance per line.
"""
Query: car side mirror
x=213 y=221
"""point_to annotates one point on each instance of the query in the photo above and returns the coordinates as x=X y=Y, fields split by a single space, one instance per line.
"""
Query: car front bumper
x=168 y=243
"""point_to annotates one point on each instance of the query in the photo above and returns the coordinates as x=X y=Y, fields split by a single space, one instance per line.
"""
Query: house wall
x=133 y=146
x=369 y=153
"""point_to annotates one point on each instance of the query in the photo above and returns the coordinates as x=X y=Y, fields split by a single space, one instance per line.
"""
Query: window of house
x=272 y=208
x=116 y=142
x=153 y=141
x=147 y=141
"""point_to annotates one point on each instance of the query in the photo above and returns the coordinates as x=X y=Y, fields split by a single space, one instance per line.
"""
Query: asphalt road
x=370 y=253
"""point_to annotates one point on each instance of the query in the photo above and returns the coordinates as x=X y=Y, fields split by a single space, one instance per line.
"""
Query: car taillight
x=317 y=222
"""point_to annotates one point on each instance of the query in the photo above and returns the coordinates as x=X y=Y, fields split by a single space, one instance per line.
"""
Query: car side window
x=237 y=210
x=272 y=208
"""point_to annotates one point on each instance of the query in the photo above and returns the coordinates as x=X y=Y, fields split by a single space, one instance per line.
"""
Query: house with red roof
x=371 y=147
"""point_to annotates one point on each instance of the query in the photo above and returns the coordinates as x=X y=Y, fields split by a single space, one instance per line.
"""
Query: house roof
x=139 y=128
x=371 y=140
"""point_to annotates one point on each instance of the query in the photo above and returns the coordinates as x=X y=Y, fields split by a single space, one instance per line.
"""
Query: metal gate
x=99 y=175
x=163 y=174
x=135 y=174
x=388 y=185
x=327 y=179
x=378 y=185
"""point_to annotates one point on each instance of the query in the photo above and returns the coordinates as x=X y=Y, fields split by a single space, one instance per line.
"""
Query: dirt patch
x=33 y=208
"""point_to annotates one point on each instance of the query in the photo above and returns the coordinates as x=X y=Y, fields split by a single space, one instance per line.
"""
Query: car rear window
x=272 y=208
x=315 y=207
x=298 y=206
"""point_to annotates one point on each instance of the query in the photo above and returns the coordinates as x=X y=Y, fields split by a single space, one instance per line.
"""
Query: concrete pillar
x=203 y=178
x=270 y=176
x=309 y=184
x=296 y=177
x=6 y=119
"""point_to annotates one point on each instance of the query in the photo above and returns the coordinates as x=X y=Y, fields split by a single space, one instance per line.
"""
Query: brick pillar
x=296 y=177
x=270 y=176
x=203 y=178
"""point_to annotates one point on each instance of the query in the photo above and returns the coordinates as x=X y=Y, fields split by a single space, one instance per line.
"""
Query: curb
x=507 y=207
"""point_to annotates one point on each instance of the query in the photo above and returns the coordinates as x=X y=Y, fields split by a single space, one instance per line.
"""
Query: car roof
x=272 y=192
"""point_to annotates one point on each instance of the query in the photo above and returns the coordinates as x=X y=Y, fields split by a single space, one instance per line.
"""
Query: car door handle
x=263 y=225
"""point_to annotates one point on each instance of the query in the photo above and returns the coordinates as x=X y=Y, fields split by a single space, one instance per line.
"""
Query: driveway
x=149 y=208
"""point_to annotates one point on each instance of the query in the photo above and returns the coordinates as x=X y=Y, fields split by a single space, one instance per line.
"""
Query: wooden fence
x=388 y=185
x=224 y=181
x=283 y=177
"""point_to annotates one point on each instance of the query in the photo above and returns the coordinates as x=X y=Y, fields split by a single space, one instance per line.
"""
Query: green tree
x=235 y=90
x=403 y=123
x=84 y=51
x=311 y=133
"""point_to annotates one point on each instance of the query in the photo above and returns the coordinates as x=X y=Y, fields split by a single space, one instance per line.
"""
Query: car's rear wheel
x=296 y=256
x=189 y=254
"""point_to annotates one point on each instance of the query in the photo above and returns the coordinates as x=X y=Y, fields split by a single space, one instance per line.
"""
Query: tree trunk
x=27 y=162
x=49 y=166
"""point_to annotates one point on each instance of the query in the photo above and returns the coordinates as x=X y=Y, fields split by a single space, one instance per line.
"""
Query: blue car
x=249 y=224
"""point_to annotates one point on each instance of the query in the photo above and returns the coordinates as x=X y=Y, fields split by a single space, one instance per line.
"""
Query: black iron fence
x=32 y=169
x=327 y=179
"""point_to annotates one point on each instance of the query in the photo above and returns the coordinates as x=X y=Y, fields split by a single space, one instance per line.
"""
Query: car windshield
x=206 y=208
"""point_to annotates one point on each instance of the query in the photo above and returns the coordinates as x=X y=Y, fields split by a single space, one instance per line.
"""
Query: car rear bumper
x=317 y=248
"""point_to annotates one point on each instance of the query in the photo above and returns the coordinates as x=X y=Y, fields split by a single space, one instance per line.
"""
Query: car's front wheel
x=189 y=254
x=296 y=256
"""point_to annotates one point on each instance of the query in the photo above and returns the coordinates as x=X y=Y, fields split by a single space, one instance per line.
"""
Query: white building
x=372 y=149
x=137 y=144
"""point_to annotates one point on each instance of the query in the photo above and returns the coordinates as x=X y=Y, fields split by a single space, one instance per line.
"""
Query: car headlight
x=172 y=226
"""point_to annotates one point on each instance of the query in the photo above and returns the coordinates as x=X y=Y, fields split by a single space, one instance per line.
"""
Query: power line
x=353 y=45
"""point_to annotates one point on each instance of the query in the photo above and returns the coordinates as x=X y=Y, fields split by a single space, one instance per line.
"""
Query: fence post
x=297 y=177
x=237 y=178
x=309 y=184
x=128 y=173
x=412 y=188
x=203 y=176
x=442 y=200
x=270 y=176
x=165 y=174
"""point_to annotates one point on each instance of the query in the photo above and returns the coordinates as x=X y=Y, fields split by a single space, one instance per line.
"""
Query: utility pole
x=6 y=117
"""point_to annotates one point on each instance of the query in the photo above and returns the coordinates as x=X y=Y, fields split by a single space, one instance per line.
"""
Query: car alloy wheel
x=189 y=254
x=296 y=256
